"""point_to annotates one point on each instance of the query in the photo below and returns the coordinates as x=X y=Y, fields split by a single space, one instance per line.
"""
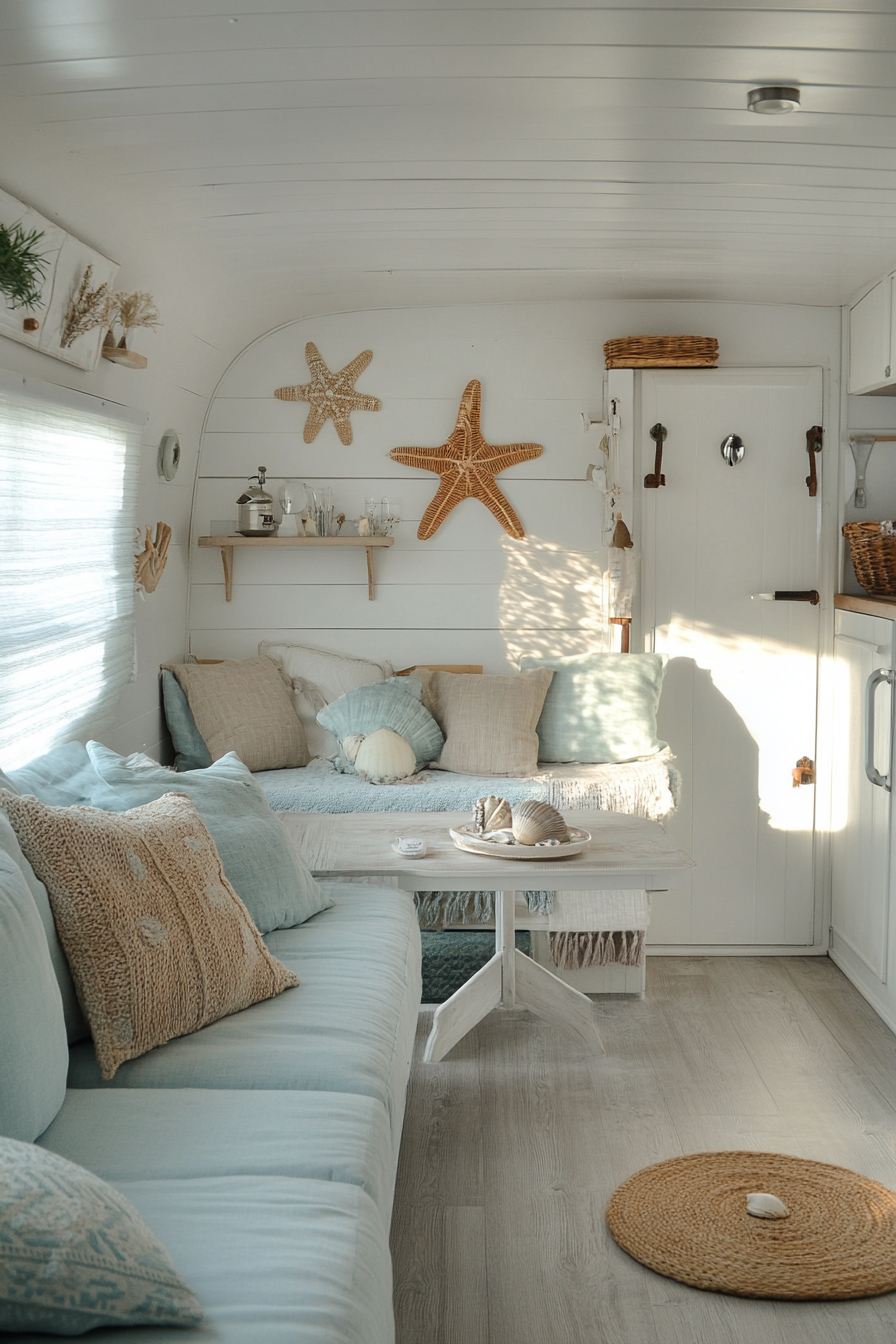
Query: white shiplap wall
x=470 y=594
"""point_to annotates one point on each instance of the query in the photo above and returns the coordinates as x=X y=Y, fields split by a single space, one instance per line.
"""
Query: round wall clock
x=169 y=454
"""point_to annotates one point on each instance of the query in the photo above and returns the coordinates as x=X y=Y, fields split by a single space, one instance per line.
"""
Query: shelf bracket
x=227 y=561
x=371 y=587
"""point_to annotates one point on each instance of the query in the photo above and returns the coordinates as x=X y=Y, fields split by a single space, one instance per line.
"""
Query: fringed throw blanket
x=649 y=789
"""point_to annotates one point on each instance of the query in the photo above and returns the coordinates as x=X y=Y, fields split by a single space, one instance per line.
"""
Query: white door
x=860 y=810
x=739 y=702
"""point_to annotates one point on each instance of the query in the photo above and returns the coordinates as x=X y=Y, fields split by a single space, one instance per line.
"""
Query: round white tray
x=465 y=837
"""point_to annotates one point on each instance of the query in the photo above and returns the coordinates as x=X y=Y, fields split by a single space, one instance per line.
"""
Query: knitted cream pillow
x=158 y=941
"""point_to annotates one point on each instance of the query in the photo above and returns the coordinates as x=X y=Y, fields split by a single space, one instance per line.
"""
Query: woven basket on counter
x=874 y=558
x=662 y=352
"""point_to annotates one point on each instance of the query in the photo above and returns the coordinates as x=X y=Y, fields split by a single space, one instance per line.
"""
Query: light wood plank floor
x=514 y=1143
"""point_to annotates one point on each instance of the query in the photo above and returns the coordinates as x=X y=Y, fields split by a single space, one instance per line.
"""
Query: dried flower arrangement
x=86 y=309
x=22 y=268
x=129 y=311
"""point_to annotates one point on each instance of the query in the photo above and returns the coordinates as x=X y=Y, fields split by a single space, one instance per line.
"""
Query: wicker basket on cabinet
x=873 y=557
x=661 y=352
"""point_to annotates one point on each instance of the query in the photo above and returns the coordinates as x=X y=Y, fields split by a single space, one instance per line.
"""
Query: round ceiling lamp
x=773 y=99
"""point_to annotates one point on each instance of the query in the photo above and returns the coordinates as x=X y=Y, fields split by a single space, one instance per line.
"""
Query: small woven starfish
x=468 y=467
x=332 y=396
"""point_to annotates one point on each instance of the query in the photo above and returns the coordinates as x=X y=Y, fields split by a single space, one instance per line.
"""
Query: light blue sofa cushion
x=187 y=1133
x=349 y=1027
x=75 y=1026
x=600 y=707
x=396 y=704
x=33 y=1044
x=190 y=750
x=76 y=1255
x=271 y=1260
x=272 y=880
x=63 y=777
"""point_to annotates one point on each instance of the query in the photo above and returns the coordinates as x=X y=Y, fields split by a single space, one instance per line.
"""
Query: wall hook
x=732 y=449
x=654 y=479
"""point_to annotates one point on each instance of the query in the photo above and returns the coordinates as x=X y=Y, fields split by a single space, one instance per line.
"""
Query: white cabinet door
x=738 y=704
x=869 y=338
x=860 y=810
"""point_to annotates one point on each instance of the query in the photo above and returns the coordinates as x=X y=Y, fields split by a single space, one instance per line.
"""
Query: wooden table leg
x=511 y=979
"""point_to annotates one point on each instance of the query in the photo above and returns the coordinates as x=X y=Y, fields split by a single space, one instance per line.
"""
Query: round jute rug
x=687 y=1218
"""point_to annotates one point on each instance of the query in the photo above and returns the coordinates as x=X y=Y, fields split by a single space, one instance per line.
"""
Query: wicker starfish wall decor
x=468 y=467
x=331 y=396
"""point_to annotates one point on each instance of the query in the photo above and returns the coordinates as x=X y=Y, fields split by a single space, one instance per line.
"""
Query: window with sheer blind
x=68 y=482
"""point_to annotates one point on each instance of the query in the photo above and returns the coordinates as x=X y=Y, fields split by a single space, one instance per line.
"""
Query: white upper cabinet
x=872 y=343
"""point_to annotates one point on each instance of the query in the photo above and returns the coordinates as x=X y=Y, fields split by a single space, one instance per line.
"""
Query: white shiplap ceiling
x=302 y=156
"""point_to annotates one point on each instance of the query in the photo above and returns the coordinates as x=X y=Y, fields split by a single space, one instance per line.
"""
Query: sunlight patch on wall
x=771 y=687
x=552 y=601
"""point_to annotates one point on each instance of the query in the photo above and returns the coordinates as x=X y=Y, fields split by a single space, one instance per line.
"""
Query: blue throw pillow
x=33 y=1045
x=272 y=881
x=600 y=707
x=76 y=1255
x=190 y=750
x=396 y=704
x=63 y=777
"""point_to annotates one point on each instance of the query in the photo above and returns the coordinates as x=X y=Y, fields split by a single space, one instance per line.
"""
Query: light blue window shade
x=68 y=482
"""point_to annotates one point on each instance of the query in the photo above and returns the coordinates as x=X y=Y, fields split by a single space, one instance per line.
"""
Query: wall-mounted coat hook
x=814 y=444
x=654 y=479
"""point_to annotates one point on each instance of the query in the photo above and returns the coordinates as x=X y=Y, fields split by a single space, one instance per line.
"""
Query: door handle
x=889 y=676
x=789 y=595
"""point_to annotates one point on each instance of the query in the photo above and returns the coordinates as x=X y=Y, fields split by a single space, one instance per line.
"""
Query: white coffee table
x=625 y=853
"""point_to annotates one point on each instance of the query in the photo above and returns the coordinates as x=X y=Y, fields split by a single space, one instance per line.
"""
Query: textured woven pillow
x=158 y=941
x=601 y=707
x=76 y=1255
x=488 y=722
x=394 y=704
x=247 y=708
x=319 y=677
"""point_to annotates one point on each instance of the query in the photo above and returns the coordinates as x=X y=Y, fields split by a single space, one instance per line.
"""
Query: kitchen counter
x=867 y=605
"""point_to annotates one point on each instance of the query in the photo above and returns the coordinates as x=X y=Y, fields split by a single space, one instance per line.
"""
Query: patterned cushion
x=158 y=941
x=244 y=707
x=394 y=704
x=75 y=1254
x=488 y=722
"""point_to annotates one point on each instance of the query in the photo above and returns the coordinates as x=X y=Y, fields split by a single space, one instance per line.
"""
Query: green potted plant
x=22 y=268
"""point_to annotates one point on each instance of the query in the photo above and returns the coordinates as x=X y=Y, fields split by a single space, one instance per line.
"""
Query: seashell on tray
x=491 y=814
x=535 y=822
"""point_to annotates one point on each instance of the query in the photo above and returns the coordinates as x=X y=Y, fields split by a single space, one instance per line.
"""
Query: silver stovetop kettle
x=256 y=509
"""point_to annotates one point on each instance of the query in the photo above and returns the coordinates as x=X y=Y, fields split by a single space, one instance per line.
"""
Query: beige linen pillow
x=489 y=722
x=244 y=707
x=158 y=941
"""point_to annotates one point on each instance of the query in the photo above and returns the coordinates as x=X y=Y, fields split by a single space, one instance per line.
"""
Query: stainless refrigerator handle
x=888 y=675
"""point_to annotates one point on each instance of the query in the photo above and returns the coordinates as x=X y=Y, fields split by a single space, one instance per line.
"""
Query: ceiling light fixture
x=773 y=99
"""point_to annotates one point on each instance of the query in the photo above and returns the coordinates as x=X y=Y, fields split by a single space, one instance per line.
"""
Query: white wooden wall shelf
x=227 y=544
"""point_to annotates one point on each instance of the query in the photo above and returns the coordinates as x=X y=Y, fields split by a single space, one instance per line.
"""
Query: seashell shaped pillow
x=394 y=704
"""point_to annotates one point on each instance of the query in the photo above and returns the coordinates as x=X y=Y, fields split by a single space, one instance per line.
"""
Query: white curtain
x=68 y=482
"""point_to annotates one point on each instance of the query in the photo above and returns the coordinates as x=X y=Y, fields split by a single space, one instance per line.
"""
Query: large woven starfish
x=332 y=396
x=468 y=467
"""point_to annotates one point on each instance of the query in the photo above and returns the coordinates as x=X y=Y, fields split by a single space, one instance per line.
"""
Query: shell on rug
x=533 y=822
x=491 y=814
x=763 y=1205
x=384 y=756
